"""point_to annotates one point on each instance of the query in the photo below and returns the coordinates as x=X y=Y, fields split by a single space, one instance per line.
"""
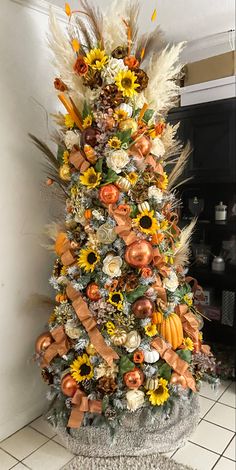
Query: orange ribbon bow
x=178 y=365
x=77 y=159
x=81 y=404
x=189 y=322
x=160 y=290
x=86 y=318
x=60 y=346
x=124 y=223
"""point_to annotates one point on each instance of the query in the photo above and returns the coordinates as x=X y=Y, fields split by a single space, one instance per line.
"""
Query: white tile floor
x=212 y=446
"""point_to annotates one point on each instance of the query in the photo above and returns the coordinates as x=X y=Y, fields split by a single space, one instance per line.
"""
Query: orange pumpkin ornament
x=134 y=378
x=171 y=330
x=157 y=318
x=88 y=214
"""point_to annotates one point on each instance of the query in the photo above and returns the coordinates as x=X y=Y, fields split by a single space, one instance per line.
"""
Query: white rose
x=158 y=148
x=71 y=139
x=117 y=160
x=112 y=69
x=171 y=282
x=127 y=108
x=155 y=193
x=135 y=399
x=133 y=341
x=112 y=265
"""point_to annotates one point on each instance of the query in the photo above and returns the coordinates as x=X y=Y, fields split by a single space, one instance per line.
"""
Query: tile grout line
x=218 y=425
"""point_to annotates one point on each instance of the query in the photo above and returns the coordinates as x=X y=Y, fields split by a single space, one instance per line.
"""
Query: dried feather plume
x=182 y=253
x=178 y=169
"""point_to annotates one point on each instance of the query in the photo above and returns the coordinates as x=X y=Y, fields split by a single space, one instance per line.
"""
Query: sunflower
x=96 y=59
x=188 y=343
x=88 y=259
x=69 y=121
x=87 y=122
x=146 y=222
x=164 y=225
x=81 y=368
x=150 y=329
x=120 y=114
x=114 y=142
x=125 y=82
x=90 y=178
x=110 y=328
x=188 y=299
x=132 y=177
x=116 y=298
x=162 y=184
x=160 y=395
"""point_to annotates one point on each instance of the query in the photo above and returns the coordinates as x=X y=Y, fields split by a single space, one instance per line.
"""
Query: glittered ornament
x=109 y=194
x=72 y=329
x=107 y=385
x=64 y=172
x=141 y=147
x=134 y=378
x=90 y=135
x=143 y=307
x=106 y=234
x=92 y=291
x=68 y=385
x=128 y=124
x=139 y=254
x=43 y=342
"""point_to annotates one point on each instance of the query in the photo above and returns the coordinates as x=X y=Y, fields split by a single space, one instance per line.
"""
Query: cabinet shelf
x=222 y=280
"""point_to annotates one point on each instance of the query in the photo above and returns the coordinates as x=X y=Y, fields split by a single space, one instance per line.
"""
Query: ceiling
x=186 y=20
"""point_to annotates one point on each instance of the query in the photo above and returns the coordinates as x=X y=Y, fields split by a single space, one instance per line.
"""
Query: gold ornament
x=90 y=349
x=119 y=337
x=152 y=383
x=123 y=184
x=64 y=172
x=128 y=124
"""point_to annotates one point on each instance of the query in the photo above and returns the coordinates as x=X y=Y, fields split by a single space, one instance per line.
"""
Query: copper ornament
x=43 y=342
x=143 y=307
x=92 y=291
x=141 y=147
x=109 y=194
x=139 y=254
x=68 y=385
x=90 y=135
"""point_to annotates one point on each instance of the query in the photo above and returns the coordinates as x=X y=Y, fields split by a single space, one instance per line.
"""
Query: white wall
x=24 y=209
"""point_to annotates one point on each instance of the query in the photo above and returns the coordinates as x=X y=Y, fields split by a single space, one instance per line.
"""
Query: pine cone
x=107 y=385
x=142 y=79
x=110 y=96
x=92 y=79
x=128 y=282
x=139 y=192
x=120 y=52
x=110 y=413
x=47 y=376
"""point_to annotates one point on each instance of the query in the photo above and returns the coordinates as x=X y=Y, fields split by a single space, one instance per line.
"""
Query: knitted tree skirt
x=140 y=434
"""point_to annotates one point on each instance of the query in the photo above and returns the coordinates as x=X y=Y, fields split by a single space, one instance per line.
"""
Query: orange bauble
x=68 y=385
x=177 y=379
x=139 y=254
x=92 y=291
x=171 y=330
x=134 y=378
x=143 y=307
x=43 y=342
x=109 y=194
x=141 y=147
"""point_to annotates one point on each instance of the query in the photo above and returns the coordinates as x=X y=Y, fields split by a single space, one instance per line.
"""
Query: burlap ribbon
x=81 y=404
x=60 y=346
x=178 y=365
x=160 y=263
x=124 y=223
x=78 y=161
x=86 y=318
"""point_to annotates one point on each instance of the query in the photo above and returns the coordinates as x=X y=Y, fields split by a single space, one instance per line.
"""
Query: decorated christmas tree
x=124 y=337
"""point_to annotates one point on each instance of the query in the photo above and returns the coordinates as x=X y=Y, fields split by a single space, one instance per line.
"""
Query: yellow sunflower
x=188 y=299
x=160 y=395
x=96 y=59
x=164 y=225
x=120 y=114
x=81 y=368
x=66 y=157
x=116 y=298
x=110 y=328
x=132 y=177
x=69 y=121
x=125 y=82
x=188 y=343
x=87 y=122
x=164 y=182
x=88 y=258
x=200 y=336
x=114 y=142
x=146 y=222
x=150 y=329
x=90 y=178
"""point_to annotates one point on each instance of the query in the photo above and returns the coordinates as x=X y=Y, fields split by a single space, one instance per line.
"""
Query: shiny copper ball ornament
x=109 y=194
x=43 y=342
x=143 y=307
x=68 y=385
x=177 y=379
x=90 y=135
x=92 y=291
x=134 y=378
x=141 y=147
x=139 y=254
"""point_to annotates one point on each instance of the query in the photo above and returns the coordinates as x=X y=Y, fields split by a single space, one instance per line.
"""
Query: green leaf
x=136 y=293
x=124 y=136
x=148 y=115
x=98 y=165
x=60 y=152
x=165 y=371
x=134 y=211
x=136 y=112
x=86 y=110
x=105 y=403
x=111 y=176
x=125 y=365
x=185 y=354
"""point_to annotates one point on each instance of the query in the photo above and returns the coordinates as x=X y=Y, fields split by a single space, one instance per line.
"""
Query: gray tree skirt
x=140 y=433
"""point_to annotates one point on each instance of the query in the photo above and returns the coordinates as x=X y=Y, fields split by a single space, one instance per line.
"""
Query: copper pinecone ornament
x=107 y=385
x=142 y=79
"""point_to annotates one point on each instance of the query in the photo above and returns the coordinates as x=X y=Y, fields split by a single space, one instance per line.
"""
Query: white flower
x=125 y=107
x=135 y=399
x=112 y=69
x=171 y=282
x=155 y=193
x=71 y=139
x=133 y=341
x=139 y=100
x=117 y=160
x=112 y=265
x=158 y=148
x=104 y=370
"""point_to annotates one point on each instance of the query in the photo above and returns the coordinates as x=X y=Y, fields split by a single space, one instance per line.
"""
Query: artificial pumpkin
x=88 y=214
x=171 y=330
x=151 y=356
x=152 y=383
x=157 y=318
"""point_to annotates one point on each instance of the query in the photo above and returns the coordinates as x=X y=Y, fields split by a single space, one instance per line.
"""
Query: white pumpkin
x=152 y=383
x=119 y=337
x=143 y=206
x=123 y=183
x=151 y=356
